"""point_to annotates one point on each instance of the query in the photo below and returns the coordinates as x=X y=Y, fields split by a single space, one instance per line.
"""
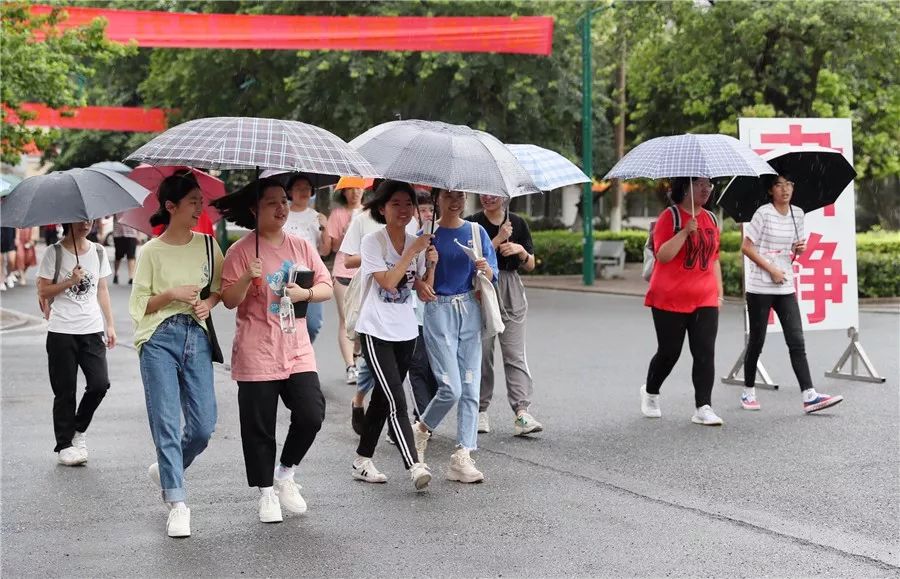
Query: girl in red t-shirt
x=684 y=295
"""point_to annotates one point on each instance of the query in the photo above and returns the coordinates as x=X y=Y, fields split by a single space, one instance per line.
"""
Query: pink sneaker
x=749 y=402
x=821 y=402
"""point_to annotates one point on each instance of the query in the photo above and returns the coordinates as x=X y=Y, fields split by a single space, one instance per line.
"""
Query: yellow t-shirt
x=162 y=266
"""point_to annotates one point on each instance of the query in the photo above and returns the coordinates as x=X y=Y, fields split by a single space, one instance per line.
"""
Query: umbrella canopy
x=113 y=166
x=820 y=175
x=70 y=196
x=318 y=181
x=451 y=157
x=548 y=169
x=250 y=143
x=150 y=177
x=7 y=182
x=690 y=156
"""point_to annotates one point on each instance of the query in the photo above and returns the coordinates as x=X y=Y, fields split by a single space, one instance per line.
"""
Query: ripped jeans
x=453 y=341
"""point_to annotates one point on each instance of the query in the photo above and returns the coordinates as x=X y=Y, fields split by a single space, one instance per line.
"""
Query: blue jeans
x=364 y=380
x=453 y=342
x=314 y=319
x=176 y=368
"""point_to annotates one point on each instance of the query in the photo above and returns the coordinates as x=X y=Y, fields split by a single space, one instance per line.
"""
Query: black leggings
x=701 y=326
x=258 y=408
x=758 y=307
x=389 y=363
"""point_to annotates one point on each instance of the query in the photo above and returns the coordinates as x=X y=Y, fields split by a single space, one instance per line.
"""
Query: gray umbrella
x=70 y=196
x=113 y=166
x=451 y=157
x=253 y=143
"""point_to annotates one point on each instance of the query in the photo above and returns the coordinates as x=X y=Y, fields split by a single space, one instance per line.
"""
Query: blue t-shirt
x=455 y=269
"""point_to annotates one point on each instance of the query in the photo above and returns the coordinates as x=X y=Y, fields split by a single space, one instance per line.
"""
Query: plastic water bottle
x=286 y=314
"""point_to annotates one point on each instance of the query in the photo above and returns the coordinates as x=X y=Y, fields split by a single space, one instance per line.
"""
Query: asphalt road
x=603 y=491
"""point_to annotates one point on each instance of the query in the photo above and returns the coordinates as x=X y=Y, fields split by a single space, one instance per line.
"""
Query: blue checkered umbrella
x=690 y=156
x=548 y=169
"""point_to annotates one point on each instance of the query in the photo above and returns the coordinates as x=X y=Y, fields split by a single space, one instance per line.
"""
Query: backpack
x=650 y=252
x=356 y=293
x=44 y=304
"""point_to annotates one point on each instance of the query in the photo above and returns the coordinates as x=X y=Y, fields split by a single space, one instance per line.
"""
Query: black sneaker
x=357 y=418
x=116 y=279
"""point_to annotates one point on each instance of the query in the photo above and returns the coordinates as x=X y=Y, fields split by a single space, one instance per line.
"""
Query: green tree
x=45 y=65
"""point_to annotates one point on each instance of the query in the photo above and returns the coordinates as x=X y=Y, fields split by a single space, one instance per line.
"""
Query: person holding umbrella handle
x=772 y=240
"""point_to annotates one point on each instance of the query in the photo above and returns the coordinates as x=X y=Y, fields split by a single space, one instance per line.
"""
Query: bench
x=609 y=258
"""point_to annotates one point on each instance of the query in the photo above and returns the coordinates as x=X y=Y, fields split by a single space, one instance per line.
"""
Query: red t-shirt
x=688 y=281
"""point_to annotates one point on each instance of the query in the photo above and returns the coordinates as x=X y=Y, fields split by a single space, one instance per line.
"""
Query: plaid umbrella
x=689 y=156
x=451 y=157
x=70 y=196
x=548 y=169
x=820 y=175
x=251 y=143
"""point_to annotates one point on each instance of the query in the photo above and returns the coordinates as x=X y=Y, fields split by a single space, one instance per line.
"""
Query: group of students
x=686 y=291
x=417 y=316
x=412 y=272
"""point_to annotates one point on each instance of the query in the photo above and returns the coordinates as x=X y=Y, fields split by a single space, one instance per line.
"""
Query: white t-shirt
x=384 y=314
x=304 y=224
x=76 y=310
x=773 y=236
x=362 y=225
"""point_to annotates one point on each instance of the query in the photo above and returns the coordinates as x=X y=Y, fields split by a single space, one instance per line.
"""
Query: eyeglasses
x=785 y=184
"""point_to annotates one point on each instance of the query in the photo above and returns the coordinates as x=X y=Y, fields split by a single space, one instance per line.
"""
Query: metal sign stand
x=855 y=354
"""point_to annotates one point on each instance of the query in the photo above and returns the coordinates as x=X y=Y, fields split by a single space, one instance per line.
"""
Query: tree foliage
x=43 y=64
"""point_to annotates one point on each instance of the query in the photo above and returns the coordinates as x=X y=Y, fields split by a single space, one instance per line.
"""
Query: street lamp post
x=587 y=154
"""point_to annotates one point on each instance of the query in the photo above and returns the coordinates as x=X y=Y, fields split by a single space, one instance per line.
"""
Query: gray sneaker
x=484 y=423
x=526 y=424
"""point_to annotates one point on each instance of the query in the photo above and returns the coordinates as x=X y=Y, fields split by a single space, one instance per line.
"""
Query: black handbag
x=204 y=293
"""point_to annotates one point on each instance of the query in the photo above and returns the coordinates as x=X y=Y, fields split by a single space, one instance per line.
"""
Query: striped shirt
x=773 y=236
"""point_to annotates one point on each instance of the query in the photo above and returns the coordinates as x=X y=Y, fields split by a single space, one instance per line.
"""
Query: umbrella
x=113 y=166
x=251 y=143
x=70 y=196
x=7 y=182
x=254 y=143
x=447 y=156
x=151 y=177
x=820 y=175
x=318 y=181
x=708 y=156
x=548 y=169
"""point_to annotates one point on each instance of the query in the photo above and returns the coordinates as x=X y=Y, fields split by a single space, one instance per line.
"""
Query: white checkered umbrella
x=451 y=157
x=690 y=156
x=548 y=169
x=250 y=143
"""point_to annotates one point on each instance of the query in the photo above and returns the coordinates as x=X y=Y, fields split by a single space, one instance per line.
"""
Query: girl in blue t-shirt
x=453 y=332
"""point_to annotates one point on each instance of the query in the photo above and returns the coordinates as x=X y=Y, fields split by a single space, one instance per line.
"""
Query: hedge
x=560 y=253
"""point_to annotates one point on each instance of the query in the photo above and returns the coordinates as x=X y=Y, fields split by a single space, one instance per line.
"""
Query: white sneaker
x=269 y=508
x=153 y=473
x=705 y=416
x=484 y=423
x=288 y=493
x=79 y=441
x=365 y=470
x=71 y=456
x=526 y=424
x=352 y=374
x=462 y=468
x=179 y=523
x=420 y=475
x=650 y=404
x=421 y=441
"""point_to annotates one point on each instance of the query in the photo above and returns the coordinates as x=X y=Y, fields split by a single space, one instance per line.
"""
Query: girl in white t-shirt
x=774 y=237
x=75 y=334
x=394 y=264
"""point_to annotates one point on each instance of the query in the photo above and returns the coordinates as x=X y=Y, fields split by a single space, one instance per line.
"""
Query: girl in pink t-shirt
x=266 y=362
x=349 y=201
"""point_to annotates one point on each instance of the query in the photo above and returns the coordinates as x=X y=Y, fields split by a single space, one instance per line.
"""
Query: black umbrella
x=820 y=175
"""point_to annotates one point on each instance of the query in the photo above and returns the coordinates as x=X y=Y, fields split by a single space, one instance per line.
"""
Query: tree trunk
x=617 y=193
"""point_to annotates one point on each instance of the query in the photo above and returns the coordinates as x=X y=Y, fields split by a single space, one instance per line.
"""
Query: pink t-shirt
x=338 y=222
x=261 y=351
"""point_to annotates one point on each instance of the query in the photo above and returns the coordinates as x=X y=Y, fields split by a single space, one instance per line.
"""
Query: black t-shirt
x=520 y=234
